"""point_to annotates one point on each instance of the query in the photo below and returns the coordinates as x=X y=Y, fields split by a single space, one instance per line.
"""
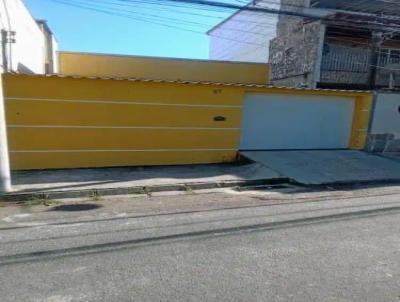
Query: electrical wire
x=158 y=21
x=109 y=5
x=166 y=9
x=154 y=18
x=146 y=20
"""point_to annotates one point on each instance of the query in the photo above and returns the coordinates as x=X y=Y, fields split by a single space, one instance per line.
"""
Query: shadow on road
x=76 y=207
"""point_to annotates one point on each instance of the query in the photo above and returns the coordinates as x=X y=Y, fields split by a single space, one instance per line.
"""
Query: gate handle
x=222 y=118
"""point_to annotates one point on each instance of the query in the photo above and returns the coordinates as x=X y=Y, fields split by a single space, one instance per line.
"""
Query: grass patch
x=188 y=189
x=39 y=201
x=95 y=196
x=147 y=191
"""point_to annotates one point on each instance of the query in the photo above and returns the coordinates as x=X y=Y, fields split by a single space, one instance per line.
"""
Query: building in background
x=245 y=35
x=50 y=48
x=352 y=45
x=27 y=45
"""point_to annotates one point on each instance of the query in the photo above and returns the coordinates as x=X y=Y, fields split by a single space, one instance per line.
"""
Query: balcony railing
x=351 y=65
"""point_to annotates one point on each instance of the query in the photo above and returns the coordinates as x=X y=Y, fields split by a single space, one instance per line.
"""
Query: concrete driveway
x=328 y=166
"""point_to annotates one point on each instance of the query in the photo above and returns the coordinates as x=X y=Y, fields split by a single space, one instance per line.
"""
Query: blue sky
x=79 y=29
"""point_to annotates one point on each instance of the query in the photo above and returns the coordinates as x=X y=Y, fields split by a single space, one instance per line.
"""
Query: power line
x=111 y=5
x=158 y=21
x=148 y=21
x=374 y=25
x=167 y=7
x=244 y=8
x=157 y=9
x=196 y=23
x=155 y=18
x=180 y=21
x=151 y=16
x=177 y=5
x=104 y=11
x=211 y=3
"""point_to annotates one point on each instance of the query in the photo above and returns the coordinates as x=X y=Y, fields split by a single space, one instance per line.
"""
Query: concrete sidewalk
x=269 y=167
x=322 y=167
x=82 y=182
x=392 y=155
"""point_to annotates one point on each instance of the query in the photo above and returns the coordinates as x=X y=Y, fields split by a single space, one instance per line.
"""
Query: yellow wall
x=64 y=122
x=86 y=64
x=58 y=122
x=362 y=116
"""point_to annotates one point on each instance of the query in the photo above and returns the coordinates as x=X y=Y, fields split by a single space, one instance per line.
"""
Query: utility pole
x=5 y=173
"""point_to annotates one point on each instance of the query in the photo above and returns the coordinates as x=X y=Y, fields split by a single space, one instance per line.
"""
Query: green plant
x=95 y=196
x=39 y=201
x=188 y=189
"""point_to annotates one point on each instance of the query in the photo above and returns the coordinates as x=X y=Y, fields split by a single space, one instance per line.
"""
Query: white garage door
x=288 y=122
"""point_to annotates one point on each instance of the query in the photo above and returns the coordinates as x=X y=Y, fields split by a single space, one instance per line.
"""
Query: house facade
x=27 y=45
x=59 y=121
x=340 y=45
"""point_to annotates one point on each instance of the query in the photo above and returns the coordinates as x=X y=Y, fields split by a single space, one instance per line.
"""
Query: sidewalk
x=327 y=167
x=310 y=168
x=113 y=181
x=392 y=155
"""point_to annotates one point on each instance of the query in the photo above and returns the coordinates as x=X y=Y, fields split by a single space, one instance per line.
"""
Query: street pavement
x=285 y=244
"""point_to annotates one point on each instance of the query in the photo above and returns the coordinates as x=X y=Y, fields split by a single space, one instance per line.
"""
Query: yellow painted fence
x=104 y=65
x=65 y=122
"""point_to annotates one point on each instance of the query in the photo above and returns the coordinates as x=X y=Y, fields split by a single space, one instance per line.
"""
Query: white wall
x=27 y=55
x=244 y=37
x=55 y=55
x=384 y=136
x=386 y=117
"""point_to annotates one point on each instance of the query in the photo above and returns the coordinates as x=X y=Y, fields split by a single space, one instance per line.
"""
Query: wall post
x=5 y=173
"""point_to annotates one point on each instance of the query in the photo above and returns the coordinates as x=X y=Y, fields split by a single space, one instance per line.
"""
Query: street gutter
x=134 y=190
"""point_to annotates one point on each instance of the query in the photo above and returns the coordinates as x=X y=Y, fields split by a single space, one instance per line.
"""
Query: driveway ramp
x=328 y=166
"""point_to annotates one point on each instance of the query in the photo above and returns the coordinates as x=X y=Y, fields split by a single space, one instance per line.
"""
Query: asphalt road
x=331 y=246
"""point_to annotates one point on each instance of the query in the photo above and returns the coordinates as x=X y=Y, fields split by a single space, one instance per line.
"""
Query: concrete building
x=50 y=48
x=27 y=45
x=244 y=36
x=337 y=45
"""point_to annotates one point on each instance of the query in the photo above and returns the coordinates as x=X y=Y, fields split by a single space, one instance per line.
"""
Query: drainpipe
x=4 y=50
x=5 y=173
x=376 y=43
x=7 y=38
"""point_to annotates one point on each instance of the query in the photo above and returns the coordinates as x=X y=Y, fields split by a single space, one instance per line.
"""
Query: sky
x=88 y=30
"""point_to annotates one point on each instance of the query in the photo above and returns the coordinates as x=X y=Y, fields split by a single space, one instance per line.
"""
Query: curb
x=353 y=183
x=17 y=197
